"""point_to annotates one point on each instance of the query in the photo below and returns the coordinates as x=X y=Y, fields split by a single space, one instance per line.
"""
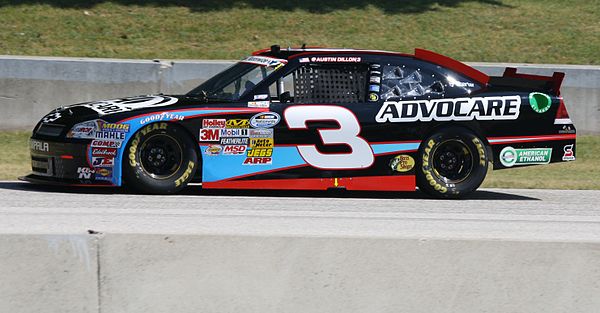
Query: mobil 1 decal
x=460 y=109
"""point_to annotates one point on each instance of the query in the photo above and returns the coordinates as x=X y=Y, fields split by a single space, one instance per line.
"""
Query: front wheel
x=160 y=158
x=454 y=162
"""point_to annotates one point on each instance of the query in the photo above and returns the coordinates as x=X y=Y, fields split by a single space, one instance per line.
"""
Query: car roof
x=421 y=54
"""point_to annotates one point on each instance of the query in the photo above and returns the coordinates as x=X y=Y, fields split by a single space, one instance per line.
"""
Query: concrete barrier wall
x=116 y=273
x=32 y=86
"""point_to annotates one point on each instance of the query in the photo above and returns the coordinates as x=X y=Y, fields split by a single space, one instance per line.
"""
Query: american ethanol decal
x=460 y=109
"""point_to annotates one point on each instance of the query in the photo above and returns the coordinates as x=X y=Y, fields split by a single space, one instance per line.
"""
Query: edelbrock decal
x=460 y=109
x=106 y=107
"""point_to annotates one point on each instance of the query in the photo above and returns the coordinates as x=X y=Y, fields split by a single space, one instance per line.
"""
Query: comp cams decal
x=106 y=107
x=461 y=109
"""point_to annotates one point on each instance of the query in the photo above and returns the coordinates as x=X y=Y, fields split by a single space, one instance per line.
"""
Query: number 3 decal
x=361 y=155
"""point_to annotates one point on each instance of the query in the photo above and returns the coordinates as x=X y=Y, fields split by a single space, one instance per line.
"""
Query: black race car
x=312 y=118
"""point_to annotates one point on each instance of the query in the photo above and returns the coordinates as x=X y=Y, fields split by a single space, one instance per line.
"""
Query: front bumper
x=65 y=163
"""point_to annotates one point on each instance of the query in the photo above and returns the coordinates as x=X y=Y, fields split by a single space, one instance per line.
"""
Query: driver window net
x=330 y=84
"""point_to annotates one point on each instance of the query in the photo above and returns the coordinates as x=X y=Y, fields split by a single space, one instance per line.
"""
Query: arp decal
x=461 y=109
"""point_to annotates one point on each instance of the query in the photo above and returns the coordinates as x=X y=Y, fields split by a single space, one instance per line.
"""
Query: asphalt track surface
x=495 y=214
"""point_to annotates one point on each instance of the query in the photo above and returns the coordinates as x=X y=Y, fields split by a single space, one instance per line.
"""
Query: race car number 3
x=361 y=155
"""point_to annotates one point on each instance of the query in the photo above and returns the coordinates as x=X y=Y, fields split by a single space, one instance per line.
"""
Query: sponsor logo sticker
x=234 y=149
x=104 y=152
x=213 y=150
x=460 y=109
x=102 y=161
x=85 y=172
x=510 y=156
x=373 y=97
x=540 y=102
x=260 y=133
x=210 y=134
x=257 y=161
x=235 y=141
x=237 y=123
x=106 y=143
x=265 y=120
x=213 y=123
x=402 y=163
x=164 y=116
x=259 y=104
x=259 y=152
x=261 y=143
x=110 y=135
x=108 y=127
x=569 y=155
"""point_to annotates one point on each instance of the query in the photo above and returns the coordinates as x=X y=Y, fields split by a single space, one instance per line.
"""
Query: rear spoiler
x=510 y=78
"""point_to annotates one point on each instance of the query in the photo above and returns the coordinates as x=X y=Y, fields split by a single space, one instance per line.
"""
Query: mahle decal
x=510 y=156
x=461 y=109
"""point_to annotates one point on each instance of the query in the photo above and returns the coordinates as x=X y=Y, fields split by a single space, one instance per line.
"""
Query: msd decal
x=462 y=109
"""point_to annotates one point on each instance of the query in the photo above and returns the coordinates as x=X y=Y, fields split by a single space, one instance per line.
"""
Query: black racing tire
x=453 y=163
x=161 y=158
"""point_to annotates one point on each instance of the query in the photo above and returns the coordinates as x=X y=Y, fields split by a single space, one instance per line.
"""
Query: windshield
x=239 y=78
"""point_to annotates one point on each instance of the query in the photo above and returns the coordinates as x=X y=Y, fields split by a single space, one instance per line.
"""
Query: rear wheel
x=161 y=159
x=454 y=163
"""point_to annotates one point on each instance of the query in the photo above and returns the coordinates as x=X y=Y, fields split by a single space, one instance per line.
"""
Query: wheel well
x=472 y=127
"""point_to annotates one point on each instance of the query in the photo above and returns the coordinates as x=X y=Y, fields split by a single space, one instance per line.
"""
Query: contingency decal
x=460 y=109
x=510 y=156
x=106 y=107
x=264 y=61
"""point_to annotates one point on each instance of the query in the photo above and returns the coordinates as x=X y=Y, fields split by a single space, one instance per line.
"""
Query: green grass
x=14 y=155
x=532 y=31
x=581 y=174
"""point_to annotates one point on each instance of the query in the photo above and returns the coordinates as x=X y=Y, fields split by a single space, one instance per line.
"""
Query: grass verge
x=581 y=174
x=531 y=31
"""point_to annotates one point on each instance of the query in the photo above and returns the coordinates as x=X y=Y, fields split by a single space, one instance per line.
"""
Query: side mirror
x=285 y=97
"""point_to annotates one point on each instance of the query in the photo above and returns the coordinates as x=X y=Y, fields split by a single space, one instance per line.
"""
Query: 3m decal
x=106 y=107
x=210 y=134
x=461 y=109
x=361 y=155
x=568 y=155
x=510 y=156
